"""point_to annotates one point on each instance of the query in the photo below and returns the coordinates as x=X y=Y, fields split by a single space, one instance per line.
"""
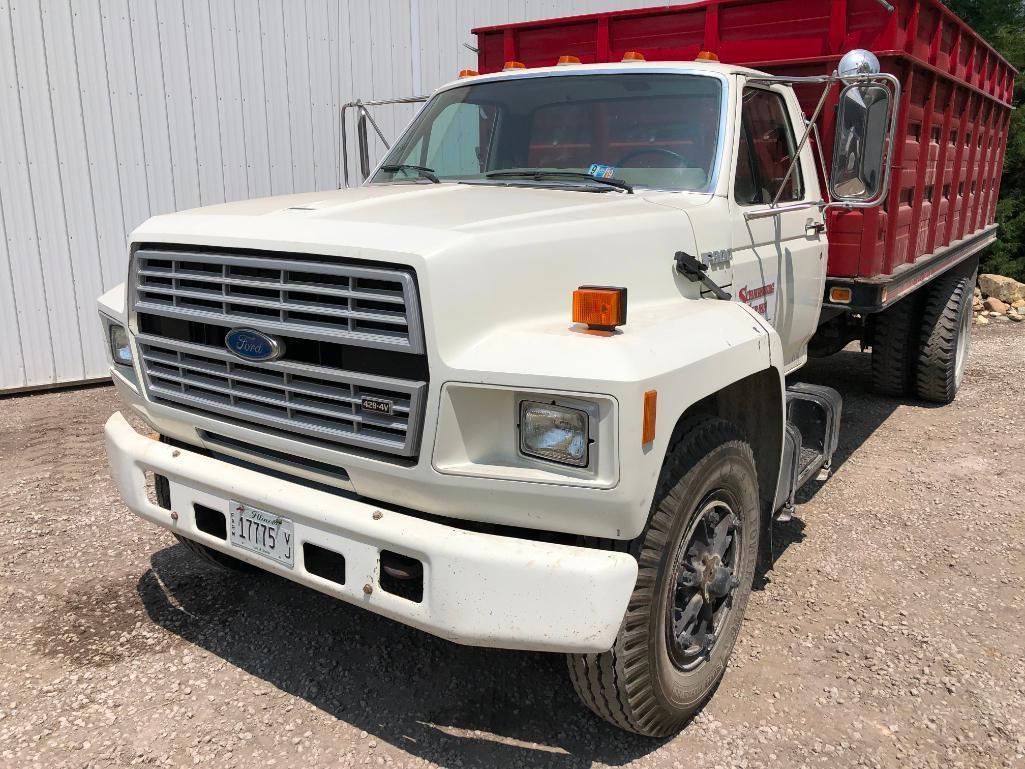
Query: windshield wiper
x=424 y=171
x=539 y=173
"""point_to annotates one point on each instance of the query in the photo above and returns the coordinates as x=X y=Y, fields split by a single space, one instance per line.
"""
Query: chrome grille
x=299 y=296
x=351 y=335
x=309 y=400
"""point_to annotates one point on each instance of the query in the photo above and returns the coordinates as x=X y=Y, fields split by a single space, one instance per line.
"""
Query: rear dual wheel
x=946 y=337
x=921 y=344
x=696 y=563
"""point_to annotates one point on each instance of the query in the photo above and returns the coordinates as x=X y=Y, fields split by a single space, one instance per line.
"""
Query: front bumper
x=478 y=589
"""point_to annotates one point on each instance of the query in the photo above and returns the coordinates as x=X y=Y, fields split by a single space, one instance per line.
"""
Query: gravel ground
x=889 y=633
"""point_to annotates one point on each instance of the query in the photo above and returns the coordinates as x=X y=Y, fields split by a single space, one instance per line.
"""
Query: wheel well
x=755 y=405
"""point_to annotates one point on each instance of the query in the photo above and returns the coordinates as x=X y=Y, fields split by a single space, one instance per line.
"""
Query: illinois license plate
x=261 y=532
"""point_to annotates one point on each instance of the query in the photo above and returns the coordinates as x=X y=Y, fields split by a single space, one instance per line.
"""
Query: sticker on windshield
x=601 y=172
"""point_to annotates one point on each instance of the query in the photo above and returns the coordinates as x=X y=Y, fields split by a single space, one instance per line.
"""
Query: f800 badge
x=720 y=258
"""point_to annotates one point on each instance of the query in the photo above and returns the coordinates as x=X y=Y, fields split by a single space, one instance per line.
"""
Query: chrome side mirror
x=857 y=62
x=860 y=148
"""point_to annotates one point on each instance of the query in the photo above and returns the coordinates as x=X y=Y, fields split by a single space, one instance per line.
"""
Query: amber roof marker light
x=602 y=308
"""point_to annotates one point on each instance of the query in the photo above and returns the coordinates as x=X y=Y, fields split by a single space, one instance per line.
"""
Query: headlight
x=120 y=349
x=555 y=433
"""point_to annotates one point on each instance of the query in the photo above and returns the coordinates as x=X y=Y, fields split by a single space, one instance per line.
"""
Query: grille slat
x=392 y=318
x=337 y=306
x=192 y=376
x=328 y=301
x=286 y=402
x=314 y=428
x=289 y=387
x=370 y=295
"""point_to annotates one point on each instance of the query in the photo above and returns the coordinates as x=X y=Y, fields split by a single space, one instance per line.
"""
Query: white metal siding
x=115 y=110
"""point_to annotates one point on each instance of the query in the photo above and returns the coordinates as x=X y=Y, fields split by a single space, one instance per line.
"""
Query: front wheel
x=206 y=554
x=696 y=563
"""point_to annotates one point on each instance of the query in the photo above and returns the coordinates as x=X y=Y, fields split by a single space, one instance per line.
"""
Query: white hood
x=453 y=208
x=506 y=256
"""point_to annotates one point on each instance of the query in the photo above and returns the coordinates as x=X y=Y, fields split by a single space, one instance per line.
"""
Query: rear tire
x=664 y=664
x=894 y=344
x=946 y=336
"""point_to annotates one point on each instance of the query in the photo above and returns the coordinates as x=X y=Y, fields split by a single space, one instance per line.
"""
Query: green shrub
x=1002 y=23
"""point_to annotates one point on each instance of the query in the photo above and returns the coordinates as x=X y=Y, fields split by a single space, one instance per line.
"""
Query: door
x=779 y=256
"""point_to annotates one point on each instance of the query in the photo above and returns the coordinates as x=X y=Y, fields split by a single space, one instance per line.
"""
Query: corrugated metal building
x=114 y=110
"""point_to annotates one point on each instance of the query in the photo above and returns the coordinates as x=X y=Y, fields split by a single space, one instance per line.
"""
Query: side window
x=765 y=150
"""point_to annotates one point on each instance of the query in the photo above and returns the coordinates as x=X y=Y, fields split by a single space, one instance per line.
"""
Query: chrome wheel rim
x=704 y=580
x=964 y=339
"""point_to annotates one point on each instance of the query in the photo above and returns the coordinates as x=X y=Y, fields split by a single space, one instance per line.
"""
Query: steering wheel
x=680 y=159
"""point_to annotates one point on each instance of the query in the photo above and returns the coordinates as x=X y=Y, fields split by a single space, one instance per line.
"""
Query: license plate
x=261 y=532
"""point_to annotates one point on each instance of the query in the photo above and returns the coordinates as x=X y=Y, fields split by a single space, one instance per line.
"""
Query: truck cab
x=525 y=386
x=725 y=160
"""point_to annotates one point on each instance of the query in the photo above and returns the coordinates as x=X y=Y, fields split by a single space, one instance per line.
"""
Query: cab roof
x=712 y=68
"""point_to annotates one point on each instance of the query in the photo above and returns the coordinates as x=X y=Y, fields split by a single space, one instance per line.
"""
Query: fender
x=112 y=304
x=686 y=350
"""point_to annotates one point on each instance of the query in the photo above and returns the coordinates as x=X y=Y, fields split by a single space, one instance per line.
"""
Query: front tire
x=208 y=555
x=696 y=564
x=215 y=558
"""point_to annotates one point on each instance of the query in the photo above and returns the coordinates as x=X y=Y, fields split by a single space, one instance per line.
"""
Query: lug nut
x=368 y=589
x=174 y=516
x=176 y=453
x=378 y=515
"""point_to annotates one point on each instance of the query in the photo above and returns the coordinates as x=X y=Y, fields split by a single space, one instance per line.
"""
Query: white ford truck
x=525 y=386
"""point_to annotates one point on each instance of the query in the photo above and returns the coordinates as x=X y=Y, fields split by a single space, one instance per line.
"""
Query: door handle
x=812 y=228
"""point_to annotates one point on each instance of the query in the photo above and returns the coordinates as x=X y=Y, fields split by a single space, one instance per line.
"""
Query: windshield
x=647 y=129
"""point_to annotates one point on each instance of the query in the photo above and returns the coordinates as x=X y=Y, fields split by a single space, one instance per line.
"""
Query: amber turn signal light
x=468 y=73
x=514 y=65
x=633 y=56
x=600 y=307
x=564 y=60
x=706 y=56
x=648 y=426
x=840 y=295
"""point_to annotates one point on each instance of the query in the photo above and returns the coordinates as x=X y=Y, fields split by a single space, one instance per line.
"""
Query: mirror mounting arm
x=804 y=139
x=829 y=81
x=810 y=125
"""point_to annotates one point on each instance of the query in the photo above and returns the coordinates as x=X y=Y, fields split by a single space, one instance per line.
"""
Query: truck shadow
x=428 y=697
x=849 y=373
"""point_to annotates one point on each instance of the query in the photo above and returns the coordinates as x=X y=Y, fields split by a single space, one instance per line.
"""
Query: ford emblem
x=252 y=345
